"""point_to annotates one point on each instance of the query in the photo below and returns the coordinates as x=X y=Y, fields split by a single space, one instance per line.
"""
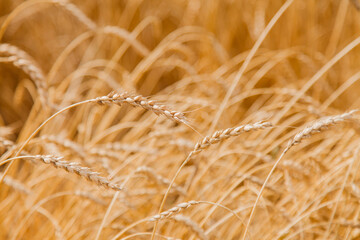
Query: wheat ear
x=24 y=61
x=73 y=167
x=140 y=101
x=199 y=232
x=319 y=126
x=172 y=211
x=221 y=135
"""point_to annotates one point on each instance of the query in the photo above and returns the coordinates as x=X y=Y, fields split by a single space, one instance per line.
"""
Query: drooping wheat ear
x=65 y=143
x=199 y=232
x=158 y=178
x=26 y=63
x=77 y=13
x=319 y=126
x=140 y=101
x=15 y=184
x=73 y=167
x=172 y=211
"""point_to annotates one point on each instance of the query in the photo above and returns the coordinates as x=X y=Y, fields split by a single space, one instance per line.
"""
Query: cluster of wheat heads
x=157 y=119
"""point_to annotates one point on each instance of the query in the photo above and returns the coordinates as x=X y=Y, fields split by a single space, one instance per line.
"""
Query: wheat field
x=182 y=119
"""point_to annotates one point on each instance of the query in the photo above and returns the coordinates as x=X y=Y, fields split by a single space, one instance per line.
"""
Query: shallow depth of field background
x=221 y=63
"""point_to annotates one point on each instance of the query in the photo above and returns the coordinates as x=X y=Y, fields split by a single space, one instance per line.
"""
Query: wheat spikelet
x=140 y=101
x=192 y=225
x=23 y=61
x=172 y=211
x=73 y=167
